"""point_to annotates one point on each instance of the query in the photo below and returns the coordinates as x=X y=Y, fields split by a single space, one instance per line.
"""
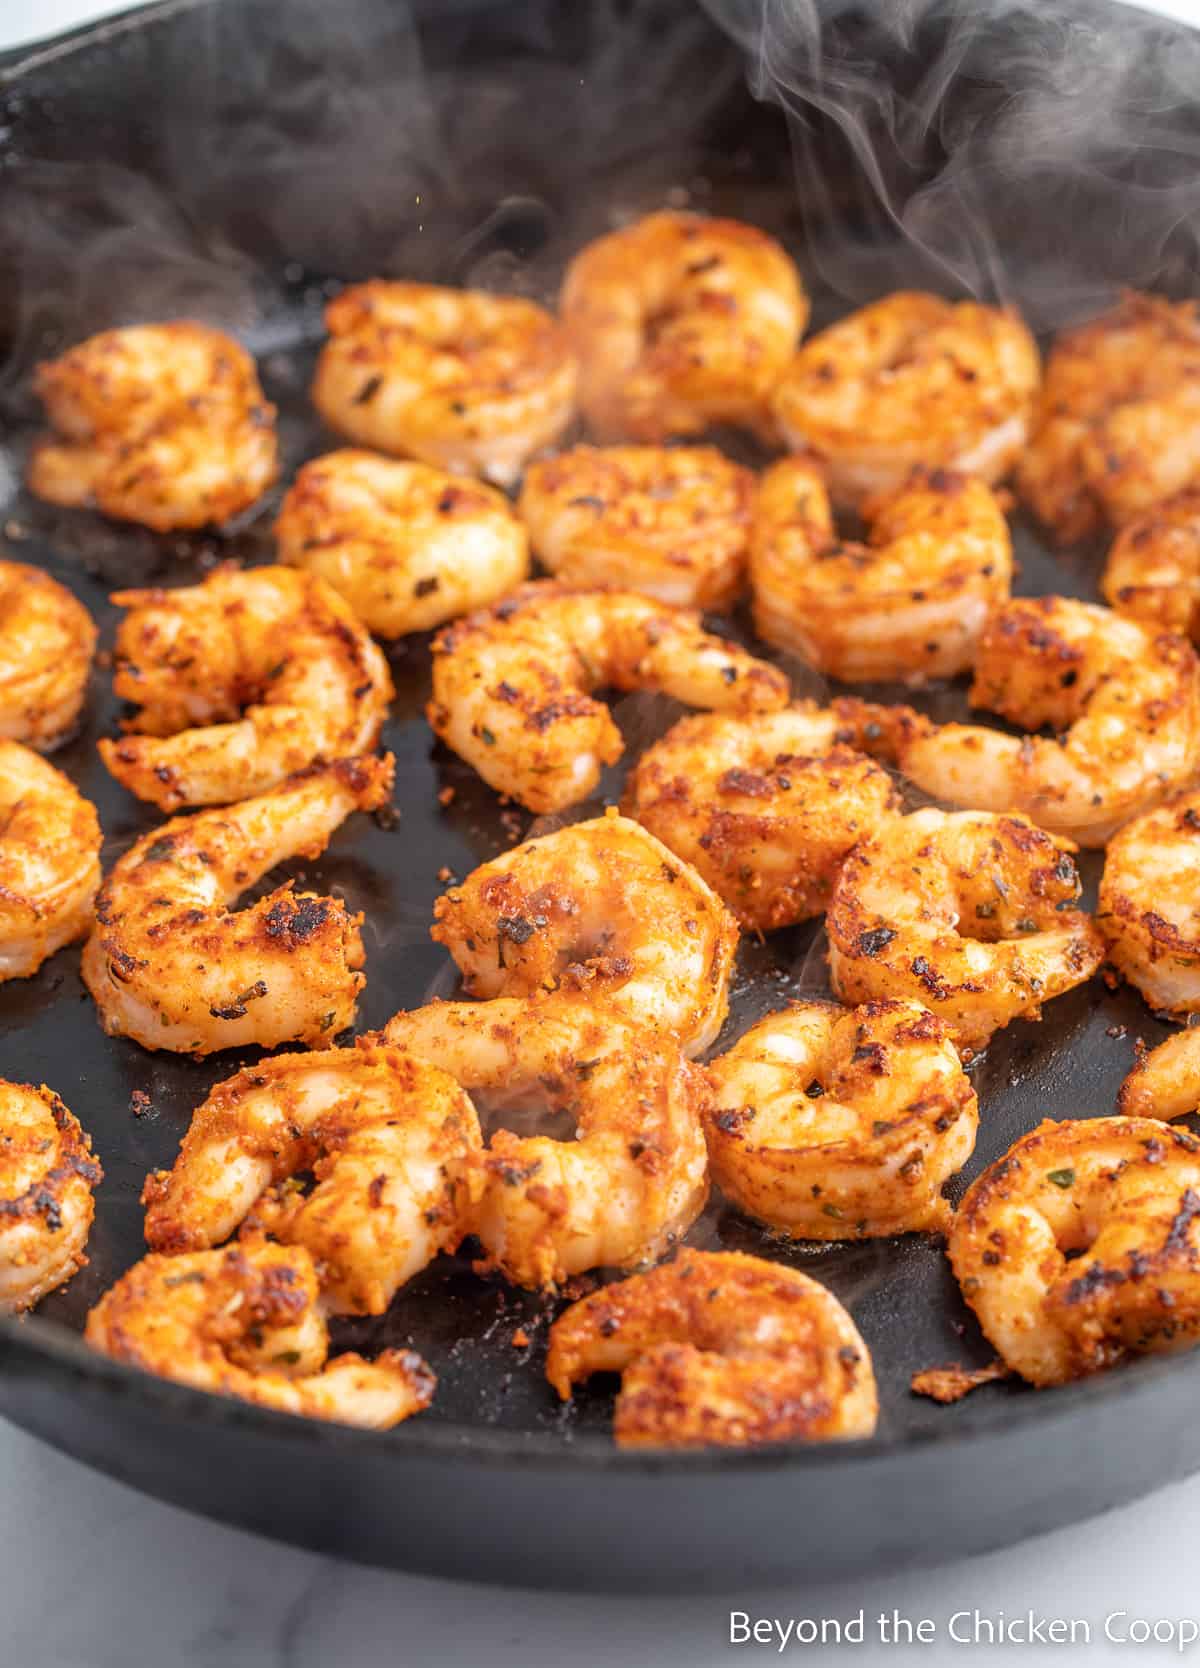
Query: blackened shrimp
x=49 y=861
x=1150 y=904
x=1153 y=568
x=1165 y=1082
x=47 y=1173
x=47 y=639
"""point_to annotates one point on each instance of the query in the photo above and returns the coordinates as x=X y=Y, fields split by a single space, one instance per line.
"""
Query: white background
x=94 y=1576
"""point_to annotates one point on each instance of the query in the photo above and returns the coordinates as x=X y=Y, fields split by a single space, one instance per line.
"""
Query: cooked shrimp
x=671 y=522
x=635 y=1177
x=681 y=323
x=49 y=861
x=719 y=1348
x=512 y=684
x=247 y=1322
x=407 y=546
x=1153 y=569
x=47 y=639
x=1150 y=904
x=471 y=382
x=841 y=1123
x=1079 y=1248
x=282 y=645
x=765 y=808
x=908 y=605
x=171 y=965
x=1118 y=423
x=387 y=1138
x=1124 y=701
x=165 y=424
x=911 y=380
x=47 y=1173
x=1165 y=1082
x=966 y=912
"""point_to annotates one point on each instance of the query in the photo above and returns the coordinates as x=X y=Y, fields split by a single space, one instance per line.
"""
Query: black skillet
x=234 y=160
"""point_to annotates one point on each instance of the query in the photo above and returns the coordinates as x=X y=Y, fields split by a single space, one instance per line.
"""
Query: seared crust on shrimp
x=719 y=1348
x=841 y=1123
x=248 y=1322
x=49 y=861
x=680 y=323
x=1150 y=904
x=387 y=1138
x=909 y=604
x=966 y=912
x=282 y=645
x=668 y=522
x=165 y=424
x=47 y=639
x=47 y=1173
x=1153 y=568
x=636 y=1176
x=407 y=546
x=1118 y=423
x=1165 y=1082
x=604 y=913
x=170 y=964
x=471 y=382
x=512 y=684
x=765 y=808
x=1081 y=1247
x=911 y=380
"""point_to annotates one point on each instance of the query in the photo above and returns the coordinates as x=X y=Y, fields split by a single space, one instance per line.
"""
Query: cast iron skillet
x=229 y=160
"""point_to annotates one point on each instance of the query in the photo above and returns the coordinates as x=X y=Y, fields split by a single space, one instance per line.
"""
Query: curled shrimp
x=247 y=1322
x=467 y=381
x=47 y=640
x=49 y=861
x=1165 y=1082
x=1124 y=703
x=165 y=424
x=512 y=684
x=172 y=966
x=635 y=1177
x=681 y=323
x=968 y=913
x=841 y=1123
x=1153 y=568
x=1149 y=909
x=764 y=808
x=280 y=644
x=718 y=1348
x=1118 y=423
x=407 y=546
x=605 y=913
x=387 y=1138
x=671 y=522
x=47 y=1173
x=910 y=380
x=1079 y=1248
x=909 y=605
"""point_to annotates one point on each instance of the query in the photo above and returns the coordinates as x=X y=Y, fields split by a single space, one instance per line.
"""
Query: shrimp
x=1118 y=424
x=247 y=1322
x=511 y=684
x=764 y=808
x=165 y=424
x=966 y=912
x=407 y=546
x=636 y=1176
x=467 y=381
x=170 y=965
x=1153 y=568
x=668 y=522
x=603 y=912
x=49 y=861
x=47 y=1173
x=680 y=323
x=1124 y=701
x=911 y=380
x=841 y=1123
x=47 y=640
x=1150 y=906
x=1079 y=1248
x=909 y=605
x=387 y=1138
x=1165 y=1082
x=718 y=1348
x=282 y=645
